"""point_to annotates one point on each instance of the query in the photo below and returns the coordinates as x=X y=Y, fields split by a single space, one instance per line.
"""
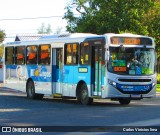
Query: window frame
x=39 y=54
x=36 y=55
x=89 y=53
x=24 y=55
x=13 y=55
x=76 y=55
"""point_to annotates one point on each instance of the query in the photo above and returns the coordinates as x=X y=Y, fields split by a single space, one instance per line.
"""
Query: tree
x=114 y=16
x=45 y=29
x=152 y=21
x=1 y=53
x=58 y=30
x=2 y=35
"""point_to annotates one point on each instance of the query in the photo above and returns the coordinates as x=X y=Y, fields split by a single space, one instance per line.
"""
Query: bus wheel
x=83 y=97
x=124 y=101
x=31 y=91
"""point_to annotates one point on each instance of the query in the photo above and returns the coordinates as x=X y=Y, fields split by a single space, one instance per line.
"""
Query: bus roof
x=66 y=38
x=70 y=35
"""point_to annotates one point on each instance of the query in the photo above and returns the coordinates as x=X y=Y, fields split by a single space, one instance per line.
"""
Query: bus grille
x=135 y=80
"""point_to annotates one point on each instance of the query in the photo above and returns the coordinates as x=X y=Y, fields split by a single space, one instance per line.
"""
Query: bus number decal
x=120 y=69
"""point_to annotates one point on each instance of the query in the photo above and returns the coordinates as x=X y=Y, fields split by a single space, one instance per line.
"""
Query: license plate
x=136 y=95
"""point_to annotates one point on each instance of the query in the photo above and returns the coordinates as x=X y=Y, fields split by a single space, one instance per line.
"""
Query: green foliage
x=158 y=78
x=44 y=29
x=152 y=21
x=2 y=35
x=158 y=87
x=114 y=16
x=1 y=53
x=58 y=30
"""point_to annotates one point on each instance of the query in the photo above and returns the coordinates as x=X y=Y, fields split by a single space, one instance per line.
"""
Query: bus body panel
x=72 y=75
x=64 y=78
x=15 y=77
x=19 y=74
x=112 y=91
x=42 y=78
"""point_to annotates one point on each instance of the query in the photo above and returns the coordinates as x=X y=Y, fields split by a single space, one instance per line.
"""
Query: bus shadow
x=104 y=102
x=96 y=103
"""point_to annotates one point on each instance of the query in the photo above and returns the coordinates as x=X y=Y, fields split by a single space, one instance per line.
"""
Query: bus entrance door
x=57 y=70
x=97 y=70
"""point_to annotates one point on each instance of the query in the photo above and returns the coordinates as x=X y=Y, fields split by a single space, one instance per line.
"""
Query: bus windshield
x=131 y=61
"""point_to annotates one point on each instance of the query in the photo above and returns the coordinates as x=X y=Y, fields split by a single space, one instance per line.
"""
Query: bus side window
x=75 y=54
x=9 y=55
x=68 y=54
x=20 y=55
x=32 y=55
x=44 y=54
x=84 y=53
x=71 y=54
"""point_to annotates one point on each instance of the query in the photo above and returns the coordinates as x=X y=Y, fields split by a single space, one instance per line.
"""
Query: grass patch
x=158 y=88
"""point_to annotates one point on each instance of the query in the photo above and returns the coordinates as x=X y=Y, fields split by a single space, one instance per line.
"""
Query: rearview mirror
x=122 y=48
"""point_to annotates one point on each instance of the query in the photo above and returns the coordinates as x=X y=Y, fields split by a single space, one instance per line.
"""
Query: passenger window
x=44 y=54
x=32 y=55
x=9 y=53
x=20 y=55
x=71 y=51
x=84 y=53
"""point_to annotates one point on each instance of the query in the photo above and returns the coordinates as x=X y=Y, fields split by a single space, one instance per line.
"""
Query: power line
x=15 y=19
x=32 y=29
x=30 y=18
x=10 y=35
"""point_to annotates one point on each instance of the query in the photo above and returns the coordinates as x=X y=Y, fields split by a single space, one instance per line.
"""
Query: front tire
x=83 y=96
x=31 y=91
x=124 y=101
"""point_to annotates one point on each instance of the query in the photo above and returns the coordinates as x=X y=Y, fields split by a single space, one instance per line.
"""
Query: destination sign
x=131 y=41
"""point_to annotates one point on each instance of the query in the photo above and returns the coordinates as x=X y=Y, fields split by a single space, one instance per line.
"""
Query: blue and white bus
x=83 y=66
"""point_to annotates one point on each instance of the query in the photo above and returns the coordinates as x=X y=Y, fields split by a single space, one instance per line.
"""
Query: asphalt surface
x=17 y=110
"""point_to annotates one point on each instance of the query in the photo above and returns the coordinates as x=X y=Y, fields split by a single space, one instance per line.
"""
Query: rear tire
x=31 y=91
x=83 y=95
x=124 y=101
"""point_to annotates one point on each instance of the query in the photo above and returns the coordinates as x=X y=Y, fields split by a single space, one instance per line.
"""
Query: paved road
x=17 y=110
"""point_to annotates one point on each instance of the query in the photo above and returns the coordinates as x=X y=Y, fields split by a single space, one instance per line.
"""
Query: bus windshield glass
x=131 y=61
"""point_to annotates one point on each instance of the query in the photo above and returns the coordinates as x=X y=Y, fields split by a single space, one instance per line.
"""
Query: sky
x=21 y=9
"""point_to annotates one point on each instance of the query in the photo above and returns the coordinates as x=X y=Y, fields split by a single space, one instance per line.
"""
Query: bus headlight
x=153 y=84
x=112 y=83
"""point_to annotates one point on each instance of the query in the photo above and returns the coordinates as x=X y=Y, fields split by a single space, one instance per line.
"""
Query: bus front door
x=57 y=68
x=97 y=70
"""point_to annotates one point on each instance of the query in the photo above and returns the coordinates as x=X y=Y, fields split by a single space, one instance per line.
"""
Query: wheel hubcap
x=84 y=94
x=30 y=90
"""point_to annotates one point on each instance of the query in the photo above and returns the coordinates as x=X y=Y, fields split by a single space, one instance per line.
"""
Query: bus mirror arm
x=107 y=55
